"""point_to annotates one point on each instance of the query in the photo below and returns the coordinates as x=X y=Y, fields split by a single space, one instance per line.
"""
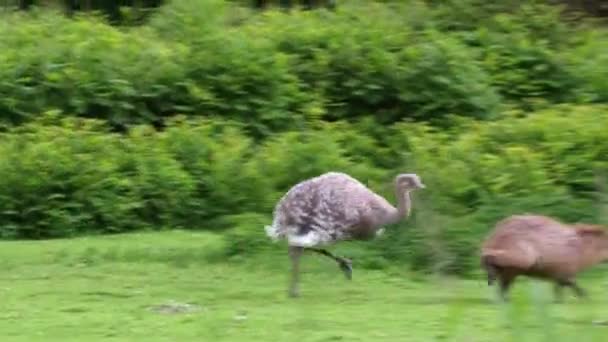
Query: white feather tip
x=271 y=232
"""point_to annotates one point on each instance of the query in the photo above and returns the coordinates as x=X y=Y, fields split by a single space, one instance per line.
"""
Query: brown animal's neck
x=592 y=251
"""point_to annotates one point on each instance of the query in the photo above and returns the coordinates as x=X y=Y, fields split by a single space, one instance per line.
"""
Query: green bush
x=222 y=110
x=64 y=177
x=278 y=71
x=525 y=69
x=243 y=79
x=63 y=180
x=245 y=237
x=217 y=155
x=86 y=68
x=294 y=156
x=159 y=181
x=272 y=73
x=547 y=162
x=358 y=65
x=586 y=60
x=194 y=22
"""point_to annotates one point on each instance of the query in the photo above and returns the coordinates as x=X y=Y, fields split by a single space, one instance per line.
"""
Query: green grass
x=108 y=289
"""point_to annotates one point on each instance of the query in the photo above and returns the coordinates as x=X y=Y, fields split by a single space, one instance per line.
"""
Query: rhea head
x=409 y=182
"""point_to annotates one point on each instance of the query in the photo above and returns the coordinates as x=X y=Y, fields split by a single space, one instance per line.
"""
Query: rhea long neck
x=404 y=206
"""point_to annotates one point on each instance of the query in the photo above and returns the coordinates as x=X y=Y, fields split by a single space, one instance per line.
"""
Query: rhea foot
x=346 y=265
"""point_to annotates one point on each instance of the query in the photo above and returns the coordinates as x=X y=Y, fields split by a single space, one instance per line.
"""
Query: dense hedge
x=553 y=162
x=205 y=116
x=279 y=71
x=60 y=177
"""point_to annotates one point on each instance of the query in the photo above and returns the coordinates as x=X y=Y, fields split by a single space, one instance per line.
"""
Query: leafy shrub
x=63 y=180
x=217 y=155
x=243 y=79
x=359 y=66
x=517 y=155
x=280 y=71
x=524 y=69
x=61 y=177
x=547 y=162
x=247 y=237
x=86 y=68
x=586 y=60
x=295 y=156
x=160 y=183
x=537 y=19
x=189 y=21
x=440 y=77
x=272 y=99
x=519 y=44
x=64 y=177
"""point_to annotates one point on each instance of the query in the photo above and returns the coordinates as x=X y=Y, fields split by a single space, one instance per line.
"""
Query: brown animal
x=544 y=248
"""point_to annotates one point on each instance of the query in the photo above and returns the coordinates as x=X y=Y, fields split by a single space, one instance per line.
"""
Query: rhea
x=333 y=207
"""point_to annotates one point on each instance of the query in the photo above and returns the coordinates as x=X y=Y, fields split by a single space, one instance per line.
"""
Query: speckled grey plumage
x=334 y=206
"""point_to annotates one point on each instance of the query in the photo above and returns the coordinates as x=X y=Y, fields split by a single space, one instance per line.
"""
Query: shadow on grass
x=451 y=300
x=107 y=294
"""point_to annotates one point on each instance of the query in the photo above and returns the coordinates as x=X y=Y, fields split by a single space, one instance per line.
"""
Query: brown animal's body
x=544 y=248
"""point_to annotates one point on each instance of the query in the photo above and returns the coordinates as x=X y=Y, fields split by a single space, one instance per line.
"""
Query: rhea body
x=334 y=207
x=544 y=248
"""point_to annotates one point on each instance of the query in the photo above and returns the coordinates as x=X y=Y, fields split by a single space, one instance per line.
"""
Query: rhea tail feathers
x=272 y=233
x=310 y=239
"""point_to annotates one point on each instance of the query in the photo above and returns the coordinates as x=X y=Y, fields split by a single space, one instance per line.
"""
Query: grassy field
x=170 y=287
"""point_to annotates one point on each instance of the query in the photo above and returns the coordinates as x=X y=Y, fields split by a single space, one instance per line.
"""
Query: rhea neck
x=404 y=205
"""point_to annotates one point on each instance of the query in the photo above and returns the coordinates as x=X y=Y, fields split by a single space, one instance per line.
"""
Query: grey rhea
x=333 y=207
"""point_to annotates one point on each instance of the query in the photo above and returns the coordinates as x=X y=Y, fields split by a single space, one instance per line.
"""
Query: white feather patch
x=272 y=233
x=309 y=240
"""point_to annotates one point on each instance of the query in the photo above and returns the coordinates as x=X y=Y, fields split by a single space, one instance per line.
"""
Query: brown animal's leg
x=558 y=292
x=491 y=270
x=506 y=280
x=346 y=265
x=295 y=253
x=577 y=289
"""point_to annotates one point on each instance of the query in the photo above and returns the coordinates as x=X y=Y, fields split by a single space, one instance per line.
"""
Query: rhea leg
x=295 y=253
x=346 y=265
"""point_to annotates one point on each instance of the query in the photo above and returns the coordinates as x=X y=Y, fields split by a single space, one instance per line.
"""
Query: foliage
x=203 y=118
x=62 y=180
x=244 y=237
x=524 y=61
x=551 y=162
x=584 y=58
x=66 y=177
x=279 y=71
x=85 y=68
x=359 y=65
